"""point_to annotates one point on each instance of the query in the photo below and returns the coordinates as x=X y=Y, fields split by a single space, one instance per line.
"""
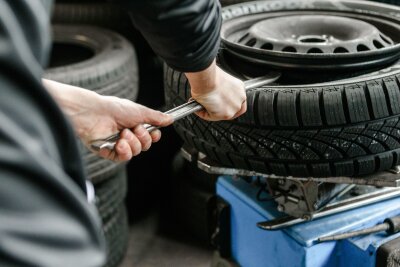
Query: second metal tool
x=183 y=111
x=390 y=225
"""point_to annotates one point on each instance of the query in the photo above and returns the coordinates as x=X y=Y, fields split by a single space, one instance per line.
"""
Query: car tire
x=339 y=128
x=116 y=232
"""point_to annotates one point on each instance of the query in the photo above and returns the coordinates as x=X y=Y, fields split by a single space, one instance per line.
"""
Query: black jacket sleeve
x=45 y=219
x=185 y=33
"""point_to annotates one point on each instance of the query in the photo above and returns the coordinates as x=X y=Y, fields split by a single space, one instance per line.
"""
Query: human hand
x=222 y=95
x=97 y=117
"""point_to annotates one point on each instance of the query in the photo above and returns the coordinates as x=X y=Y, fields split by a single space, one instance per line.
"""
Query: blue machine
x=297 y=246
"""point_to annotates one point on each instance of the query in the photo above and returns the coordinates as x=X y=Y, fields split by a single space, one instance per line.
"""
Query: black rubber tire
x=101 y=14
x=110 y=194
x=231 y=2
x=192 y=207
x=111 y=70
x=392 y=2
x=116 y=232
x=188 y=171
x=340 y=128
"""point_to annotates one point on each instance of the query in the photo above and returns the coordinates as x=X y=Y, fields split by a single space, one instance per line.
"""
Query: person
x=45 y=219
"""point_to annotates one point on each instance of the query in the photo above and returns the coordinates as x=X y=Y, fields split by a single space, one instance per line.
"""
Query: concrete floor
x=150 y=248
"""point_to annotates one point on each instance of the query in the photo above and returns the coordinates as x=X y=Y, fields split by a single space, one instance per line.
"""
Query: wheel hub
x=315 y=34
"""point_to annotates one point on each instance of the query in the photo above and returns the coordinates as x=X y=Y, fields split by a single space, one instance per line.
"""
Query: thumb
x=155 y=117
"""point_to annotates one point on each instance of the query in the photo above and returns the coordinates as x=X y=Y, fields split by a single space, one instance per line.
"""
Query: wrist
x=204 y=81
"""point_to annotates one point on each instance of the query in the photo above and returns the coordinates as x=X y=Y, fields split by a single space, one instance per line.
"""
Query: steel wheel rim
x=236 y=28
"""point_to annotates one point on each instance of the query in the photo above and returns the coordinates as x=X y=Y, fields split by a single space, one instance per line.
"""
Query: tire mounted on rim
x=338 y=128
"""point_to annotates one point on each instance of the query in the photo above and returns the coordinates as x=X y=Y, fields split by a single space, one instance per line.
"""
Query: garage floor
x=150 y=248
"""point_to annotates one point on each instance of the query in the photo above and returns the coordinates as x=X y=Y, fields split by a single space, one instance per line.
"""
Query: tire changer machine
x=267 y=220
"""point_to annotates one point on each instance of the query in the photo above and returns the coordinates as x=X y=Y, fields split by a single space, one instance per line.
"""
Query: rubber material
x=388 y=254
x=102 y=14
x=112 y=70
x=310 y=131
x=114 y=59
x=111 y=193
x=116 y=231
x=231 y=2
x=188 y=171
x=392 y=2
x=340 y=128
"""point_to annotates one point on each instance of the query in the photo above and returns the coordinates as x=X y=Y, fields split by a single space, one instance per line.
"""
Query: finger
x=109 y=154
x=155 y=117
x=106 y=153
x=155 y=136
x=143 y=136
x=133 y=142
x=123 y=150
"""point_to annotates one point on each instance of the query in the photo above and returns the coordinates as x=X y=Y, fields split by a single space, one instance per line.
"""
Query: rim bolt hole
x=314 y=50
x=377 y=44
x=362 y=47
x=243 y=37
x=267 y=46
x=340 y=50
x=251 y=42
x=289 y=49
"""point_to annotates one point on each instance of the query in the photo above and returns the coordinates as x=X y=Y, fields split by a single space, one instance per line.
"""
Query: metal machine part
x=298 y=245
x=334 y=208
x=302 y=199
x=309 y=198
x=184 y=110
x=383 y=179
x=390 y=225
x=294 y=40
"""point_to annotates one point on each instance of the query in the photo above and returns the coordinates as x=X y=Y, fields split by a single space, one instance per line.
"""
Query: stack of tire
x=105 y=62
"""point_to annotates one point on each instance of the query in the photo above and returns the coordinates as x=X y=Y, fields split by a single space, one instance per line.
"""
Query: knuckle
x=227 y=116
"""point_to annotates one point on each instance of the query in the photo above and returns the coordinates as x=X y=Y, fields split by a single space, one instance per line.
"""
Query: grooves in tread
x=340 y=129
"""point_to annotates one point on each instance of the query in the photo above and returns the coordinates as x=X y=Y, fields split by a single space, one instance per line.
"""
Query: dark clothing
x=45 y=219
x=185 y=33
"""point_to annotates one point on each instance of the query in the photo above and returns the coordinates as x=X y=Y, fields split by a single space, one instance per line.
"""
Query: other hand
x=222 y=95
x=97 y=117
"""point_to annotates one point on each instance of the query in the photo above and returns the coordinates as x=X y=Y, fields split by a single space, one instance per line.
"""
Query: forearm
x=76 y=103
x=72 y=100
x=185 y=33
x=204 y=81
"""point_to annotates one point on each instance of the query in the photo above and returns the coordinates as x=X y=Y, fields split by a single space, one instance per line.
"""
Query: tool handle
x=394 y=225
x=111 y=141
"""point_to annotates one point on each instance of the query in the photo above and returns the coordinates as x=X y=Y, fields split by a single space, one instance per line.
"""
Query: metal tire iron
x=184 y=110
x=389 y=179
x=390 y=226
